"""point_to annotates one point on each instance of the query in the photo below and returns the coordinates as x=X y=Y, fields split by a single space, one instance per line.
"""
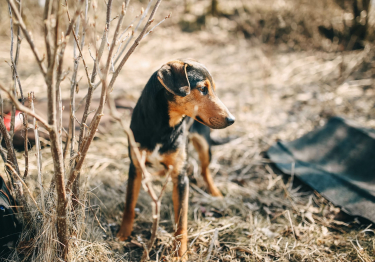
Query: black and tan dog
x=158 y=121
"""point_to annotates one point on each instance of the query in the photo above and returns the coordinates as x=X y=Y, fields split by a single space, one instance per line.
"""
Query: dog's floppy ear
x=173 y=77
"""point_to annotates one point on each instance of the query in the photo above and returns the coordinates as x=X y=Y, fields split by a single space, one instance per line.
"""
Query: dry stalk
x=93 y=76
x=14 y=73
x=26 y=144
x=51 y=126
x=213 y=240
x=105 y=88
x=27 y=188
x=90 y=89
x=96 y=120
x=59 y=78
x=73 y=88
x=134 y=46
x=15 y=79
x=28 y=37
x=143 y=16
x=47 y=33
x=38 y=154
x=52 y=70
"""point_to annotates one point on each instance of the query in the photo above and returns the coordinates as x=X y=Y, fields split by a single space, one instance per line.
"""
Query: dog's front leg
x=180 y=203
x=132 y=192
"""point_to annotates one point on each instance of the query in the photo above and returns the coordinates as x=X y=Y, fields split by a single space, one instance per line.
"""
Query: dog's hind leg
x=203 y=149
x=132 y=192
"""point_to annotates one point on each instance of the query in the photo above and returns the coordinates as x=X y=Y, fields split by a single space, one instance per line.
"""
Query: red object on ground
x=17 y=122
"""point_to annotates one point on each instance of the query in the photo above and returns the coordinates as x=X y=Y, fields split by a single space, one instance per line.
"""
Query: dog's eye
x=203 y=90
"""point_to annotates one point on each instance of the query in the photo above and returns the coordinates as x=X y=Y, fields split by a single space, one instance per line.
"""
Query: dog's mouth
x=218 y=123
x=214 y=122
x=199 y=120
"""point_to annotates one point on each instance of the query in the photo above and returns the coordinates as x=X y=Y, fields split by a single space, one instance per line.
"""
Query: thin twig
x=152 y=29
x=134 y=31
x=134 y=46
x=27 y=188
x=26 y=144
x=14 y=68
x=38 y=153
x=58 y=161
x=72 y=126
x=59 y=78
x=28 y=37
x=90 y=91
x=99 y=112
x=213 y=240
x=47 y=35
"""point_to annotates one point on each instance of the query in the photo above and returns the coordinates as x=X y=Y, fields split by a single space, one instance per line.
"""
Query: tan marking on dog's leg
x=132 y=192
x=202 y=147
x=180 y=197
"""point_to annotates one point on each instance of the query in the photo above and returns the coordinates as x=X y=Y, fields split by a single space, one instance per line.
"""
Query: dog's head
x=192 y=87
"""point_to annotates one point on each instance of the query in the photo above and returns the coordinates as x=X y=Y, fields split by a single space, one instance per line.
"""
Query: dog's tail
x=217 y=141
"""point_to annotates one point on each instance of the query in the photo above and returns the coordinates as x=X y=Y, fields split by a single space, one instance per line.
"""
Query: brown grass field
x=277 y=86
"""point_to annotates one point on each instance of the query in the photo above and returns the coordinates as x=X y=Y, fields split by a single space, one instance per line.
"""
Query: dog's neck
x=175 y=117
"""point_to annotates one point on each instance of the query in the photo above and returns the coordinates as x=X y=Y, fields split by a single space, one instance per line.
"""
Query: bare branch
x=80 y=51
x=72 y=126
x=134 y=46
x=152 y=29
x=99 y=113
x=135 y=30
x=59 y=79
x=13 y=114
x=38 y=154
x=93 y=76
x=14 y=62
x=28 y=37
x=58 y=161
x=26 y=145
x=88 y=139
x=47 y=34
x=114 y=40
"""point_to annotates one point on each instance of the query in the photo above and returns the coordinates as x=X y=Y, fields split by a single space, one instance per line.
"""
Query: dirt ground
x=274 y=93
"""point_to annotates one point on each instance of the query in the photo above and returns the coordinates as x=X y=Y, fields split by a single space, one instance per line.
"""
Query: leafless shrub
x=52 y=229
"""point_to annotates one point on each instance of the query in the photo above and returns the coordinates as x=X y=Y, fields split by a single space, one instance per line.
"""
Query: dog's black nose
x=230 y=120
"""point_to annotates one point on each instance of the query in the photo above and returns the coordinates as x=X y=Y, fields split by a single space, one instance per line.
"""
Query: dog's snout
x=230 y=120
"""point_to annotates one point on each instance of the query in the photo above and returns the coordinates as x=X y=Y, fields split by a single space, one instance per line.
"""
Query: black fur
x=150 y=119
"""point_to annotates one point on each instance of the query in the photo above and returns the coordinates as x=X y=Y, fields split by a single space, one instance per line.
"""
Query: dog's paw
x=216 y=193
x=121 y=236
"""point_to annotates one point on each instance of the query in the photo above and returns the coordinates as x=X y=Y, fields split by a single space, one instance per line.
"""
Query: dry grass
x=263 y=217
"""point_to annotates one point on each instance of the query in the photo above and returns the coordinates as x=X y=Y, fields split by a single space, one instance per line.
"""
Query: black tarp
x=338 y=161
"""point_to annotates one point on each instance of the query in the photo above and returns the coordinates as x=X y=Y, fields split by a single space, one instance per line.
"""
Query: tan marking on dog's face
x=211 y=111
